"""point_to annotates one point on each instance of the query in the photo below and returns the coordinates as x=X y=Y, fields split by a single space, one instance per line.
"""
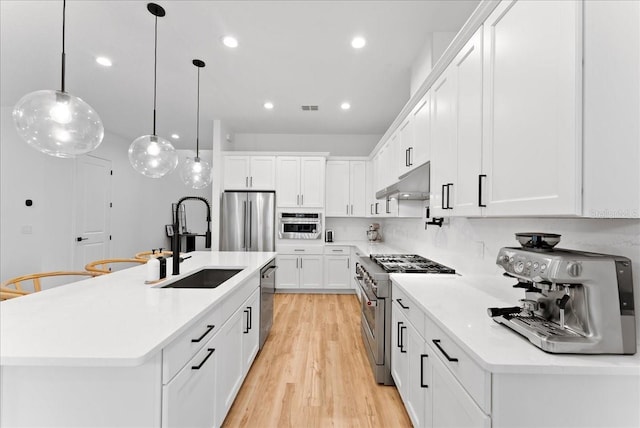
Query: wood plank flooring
x=313 y=371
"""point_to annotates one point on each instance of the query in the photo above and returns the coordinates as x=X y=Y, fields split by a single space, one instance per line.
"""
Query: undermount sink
x=205 y=278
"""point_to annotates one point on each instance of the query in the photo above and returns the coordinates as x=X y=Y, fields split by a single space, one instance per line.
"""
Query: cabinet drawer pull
x=250 y=317
x=449 y=186
x=437 y=343
x=422 y=384
x=404 y=351
x=338 y=251
x=299 y=249
x=209 y=328
x=401 y=305
x=199 y=366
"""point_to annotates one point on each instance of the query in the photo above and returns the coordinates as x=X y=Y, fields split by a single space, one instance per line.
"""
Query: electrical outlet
x=27 y=229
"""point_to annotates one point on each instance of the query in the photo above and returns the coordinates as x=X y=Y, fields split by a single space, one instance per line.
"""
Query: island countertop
x=115 y=319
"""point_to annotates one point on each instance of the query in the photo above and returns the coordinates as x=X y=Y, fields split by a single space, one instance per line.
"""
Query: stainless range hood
x=413 y=186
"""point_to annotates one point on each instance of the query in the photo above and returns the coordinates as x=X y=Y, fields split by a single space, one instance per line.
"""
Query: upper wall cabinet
x=457 y=134
x=249 y=172
x=532 y=85
x=346 y=188
x=415 y=138
x=300 y=181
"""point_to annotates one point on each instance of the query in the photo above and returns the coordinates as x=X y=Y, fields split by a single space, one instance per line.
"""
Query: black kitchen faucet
x=175 y=240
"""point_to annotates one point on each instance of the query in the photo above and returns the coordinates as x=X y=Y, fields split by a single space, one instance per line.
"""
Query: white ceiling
x=291 y=52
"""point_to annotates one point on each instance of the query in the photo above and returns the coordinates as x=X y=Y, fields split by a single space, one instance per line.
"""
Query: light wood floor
x=313 y=371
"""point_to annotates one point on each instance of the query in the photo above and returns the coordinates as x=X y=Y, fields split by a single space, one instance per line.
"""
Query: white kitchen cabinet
x=410 y=365
x=415 y=137
x=300 y=181
x=345 y=188
x=249 y=172
x=532 y=74
x=452 y=406
x=188 y=399
x=300 y=267
x=337 y=267
x=443 y=142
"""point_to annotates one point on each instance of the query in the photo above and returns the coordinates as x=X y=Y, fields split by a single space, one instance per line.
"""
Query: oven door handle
x=368 y=301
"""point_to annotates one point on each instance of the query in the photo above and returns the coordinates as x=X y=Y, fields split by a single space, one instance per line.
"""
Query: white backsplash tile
x=472 y=244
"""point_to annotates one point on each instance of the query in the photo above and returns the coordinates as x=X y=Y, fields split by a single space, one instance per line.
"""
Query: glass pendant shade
x=57 y=123
x=153 y=156
x=195 y=173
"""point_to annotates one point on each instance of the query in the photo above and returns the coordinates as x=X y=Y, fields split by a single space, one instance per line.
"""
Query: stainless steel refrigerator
x=248 y=221
x=249 y=224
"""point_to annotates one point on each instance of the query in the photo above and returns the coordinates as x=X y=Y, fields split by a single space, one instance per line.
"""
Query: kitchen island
x=113 y=351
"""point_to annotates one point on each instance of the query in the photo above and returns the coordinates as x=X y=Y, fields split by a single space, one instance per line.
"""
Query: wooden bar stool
x=13 y=287
x=102 y=267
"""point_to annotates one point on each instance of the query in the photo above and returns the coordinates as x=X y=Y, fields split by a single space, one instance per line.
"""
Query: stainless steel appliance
x=373 y=233
x=300 y=226
x=372 y=275
x=575 y=302
x=267 y=290
x=248 y=221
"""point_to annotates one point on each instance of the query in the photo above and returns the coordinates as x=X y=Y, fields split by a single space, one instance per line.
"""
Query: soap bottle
x=153 y=269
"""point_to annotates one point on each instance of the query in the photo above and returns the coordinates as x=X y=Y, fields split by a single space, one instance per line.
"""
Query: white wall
x=141 y=206
x=336 y=145
x=349 y=229
x=472 y=244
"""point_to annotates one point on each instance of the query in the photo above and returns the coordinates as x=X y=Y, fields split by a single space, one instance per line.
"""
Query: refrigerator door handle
x=250 y=218
x=244 y=225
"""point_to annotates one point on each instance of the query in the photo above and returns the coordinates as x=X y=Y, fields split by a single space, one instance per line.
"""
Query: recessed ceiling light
x=345 y=106
x=358 y=42
x=175 y=136
x=103 y=60
x=268 y=105
x=230 y=42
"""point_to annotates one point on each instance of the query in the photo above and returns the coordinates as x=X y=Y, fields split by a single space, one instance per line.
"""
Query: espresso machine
x=574 y=302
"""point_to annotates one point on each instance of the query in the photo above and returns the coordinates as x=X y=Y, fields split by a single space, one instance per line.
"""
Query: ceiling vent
x=309 y=108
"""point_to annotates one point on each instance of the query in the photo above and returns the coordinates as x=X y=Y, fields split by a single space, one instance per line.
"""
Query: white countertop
x=459 y=305
x=114 y=319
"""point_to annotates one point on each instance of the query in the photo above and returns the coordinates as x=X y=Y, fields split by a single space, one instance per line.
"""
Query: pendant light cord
x=198 y=119
x=64 y=14
x=155 y=73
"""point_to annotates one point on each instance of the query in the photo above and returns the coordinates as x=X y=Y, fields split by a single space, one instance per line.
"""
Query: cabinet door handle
x=302 y=200
x=401 y=305
x=347 y=209
x=404 y=351
x=248 y=313
x=297 y=199
x=371 y=209
x=422 y=384
x=301 y=263
x=437 y=343
x=351 y=209
x=449 y=186
x=399 y=338
x=406 y=157
x=377 y=203
x=209 y=328
x=443 y=205
x=388 y=211
x=348 y=263
x=251 y=181
x=410 y=156
x=199 y=366
x=480 y=177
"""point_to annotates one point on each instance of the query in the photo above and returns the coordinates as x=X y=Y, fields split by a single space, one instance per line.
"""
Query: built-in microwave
x=300 y=226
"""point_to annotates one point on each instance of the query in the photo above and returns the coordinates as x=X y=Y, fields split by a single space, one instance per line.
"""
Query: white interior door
x=92 y=210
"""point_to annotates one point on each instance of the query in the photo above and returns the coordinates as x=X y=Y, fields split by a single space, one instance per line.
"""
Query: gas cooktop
x=408 y=263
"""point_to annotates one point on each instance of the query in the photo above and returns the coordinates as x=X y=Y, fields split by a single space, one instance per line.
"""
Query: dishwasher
x=267 y=290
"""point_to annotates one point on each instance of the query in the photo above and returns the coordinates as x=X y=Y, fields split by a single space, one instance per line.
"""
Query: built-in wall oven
x=300 y=225
x=372 y=275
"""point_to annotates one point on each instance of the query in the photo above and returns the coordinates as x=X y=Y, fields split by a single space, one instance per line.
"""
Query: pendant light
x=195 y=172
x=151 y=155
x=56 y=122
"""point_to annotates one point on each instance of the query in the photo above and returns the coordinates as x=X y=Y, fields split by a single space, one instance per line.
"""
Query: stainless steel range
x=372 y=274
